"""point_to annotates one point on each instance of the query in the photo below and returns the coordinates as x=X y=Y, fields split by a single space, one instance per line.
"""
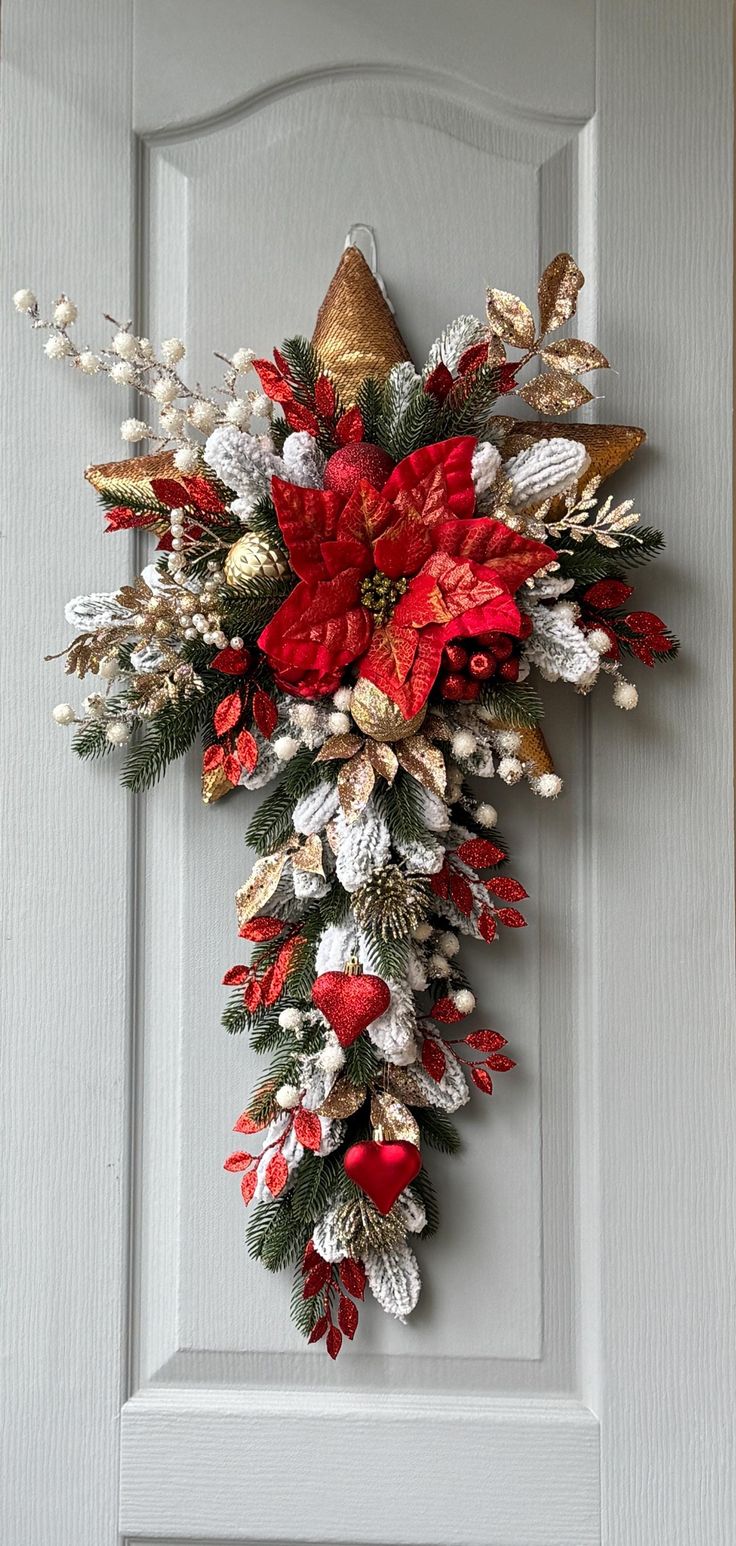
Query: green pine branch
x=426 y=1194
x=518 y=705
x=437 y=1130
x=589 y=562
x=271 y=823
x=400 y=805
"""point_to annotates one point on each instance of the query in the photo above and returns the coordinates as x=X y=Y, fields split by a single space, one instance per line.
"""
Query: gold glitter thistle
x=391 y=902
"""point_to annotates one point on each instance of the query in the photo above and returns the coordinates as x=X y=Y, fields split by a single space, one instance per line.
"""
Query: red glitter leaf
x=440 y=883
x=121 y=518
x=249 y=1184
x=645 y=623
x=433 y=1059
x=232 y=769
x=169 y=492
x=485 y=1041
x=311 y=1254
x=262 y=928
x=439 y=382
x=247 y=751
x=228 y=713
x=265 y=713
x=446 y=1012
x=471 y=359
x=252 y=995
x=643 y=651
x=300 y=418
x=487 y=925
x=324 y=397
x=231 y=662
x=239 y=1161
x=509 y=890
x=480 y=853
x=280 y=970
x=483 y=1080
x=283 y=364
x=500 y=1065
x=318 y=1330
x=277 y=1174
x=213 y=758
x=272 y=381
x=461 y=894
x=203 y=496
x=608 y=593
x=236 y=976
x=316 y=1278
x=349 y=427
x=510 y=917
x=308 y=1129
x=334 y=1341
x=347 y=1315
x=247 y=1124
x=352 y=1276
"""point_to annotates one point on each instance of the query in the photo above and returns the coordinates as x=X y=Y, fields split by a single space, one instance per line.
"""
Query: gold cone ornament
x=254 y=557
x=131 y=478
x=355 y=334
x=608 y=445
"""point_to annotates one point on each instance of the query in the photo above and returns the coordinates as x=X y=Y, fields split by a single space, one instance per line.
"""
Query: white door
x=570 y=1377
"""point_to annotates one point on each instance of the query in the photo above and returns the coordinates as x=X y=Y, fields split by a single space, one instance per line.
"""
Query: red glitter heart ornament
x=382 y=1170
x=350 y=1003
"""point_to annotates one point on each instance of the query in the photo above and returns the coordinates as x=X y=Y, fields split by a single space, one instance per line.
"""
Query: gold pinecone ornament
x=391 y=902
x=253 y=557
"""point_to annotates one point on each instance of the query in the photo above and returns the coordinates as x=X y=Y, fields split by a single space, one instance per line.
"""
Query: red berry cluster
x=466 y=666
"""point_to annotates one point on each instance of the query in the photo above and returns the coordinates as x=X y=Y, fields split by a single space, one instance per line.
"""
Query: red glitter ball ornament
x=350 y=1003
x=481 y=665
x=456 y=657
x=382 y=1170
x=354 y=464
x=509 y=669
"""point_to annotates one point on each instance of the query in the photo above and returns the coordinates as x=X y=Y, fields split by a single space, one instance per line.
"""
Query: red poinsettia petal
x=364 y=518
x=324 y=397
x=511 y=557
x=455 y=457
x=316 y=633
x=307 y=518
x=472 y=358
x=404 y=663
x=272 y=381
x=499 y=614
x=300 y=418
x=422 y=604
x=121 y=518
x=438 y=382
x=169 y=492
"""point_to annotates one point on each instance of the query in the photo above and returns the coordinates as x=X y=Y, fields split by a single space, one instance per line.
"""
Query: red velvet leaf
x=318 y=1330
x=317 y=1276
x=247 y=1124
x=500 y=1065
x=608 y=593
x=213 y=758
x=231 y=662
x=308 y=1129
x=236 y=976
x=446 y=1012
x=265 y=713
x=262 y=928
x=249 y=1184
x=349 y=428
x=277 y=1174
x=479 y=853
x=324 y=397
x=239 y=1161
x=487 y=925
x=439 y=382
x=247 y=751
x=461 y=894
x=227 y=713
x=232 y=769
x=347 y=1315
x=433 y=1059
x=334 y=1341
x=483 y=1080
x=300 y=418
x=272 y=381
x=509 y=890
x=510 y=917
x=352 y=1276
x=485 y=1041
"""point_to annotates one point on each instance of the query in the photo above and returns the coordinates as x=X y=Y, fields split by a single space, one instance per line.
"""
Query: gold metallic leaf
x=510 y=319
x=405 y=1085
x=260 y=885
x=394 y=1119
x=355 y=785
x=496 y=352
x=215 y=785
x=558 y=292
x=339 y=746
x=574 y=355
x=343 y=1100
x=309 y=856
x=425 y=763
x=383 y=758
x=554 y=392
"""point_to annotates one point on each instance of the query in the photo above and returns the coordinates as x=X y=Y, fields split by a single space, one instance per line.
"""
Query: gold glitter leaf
x=343 y=1101
x=510 y=319
x=308 y=858
x=496 y=352
x=424 y=762
x=574 y=355
x=355 y=785
x=558 y=292
x=383 y=759
x=554 y=392
x=339 y=746
x=405 y=1085
x=394 y=1119
x=260 y=885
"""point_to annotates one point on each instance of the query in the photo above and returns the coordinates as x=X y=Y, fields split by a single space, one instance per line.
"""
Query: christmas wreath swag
x=358 y=570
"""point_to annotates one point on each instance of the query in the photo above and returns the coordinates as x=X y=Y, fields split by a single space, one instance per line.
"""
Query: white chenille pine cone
x=485 y=465
x=559 y=649
x=433 y=811
x=363 y=846
x=393 y=1278
x=309 y=887
x=337 y=945
x=423 y=858
x=241 y=462
x=546 y=468
x=315 y=809
x=303 y=461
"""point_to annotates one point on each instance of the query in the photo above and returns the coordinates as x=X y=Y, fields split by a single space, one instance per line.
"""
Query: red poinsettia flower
x=387 y=578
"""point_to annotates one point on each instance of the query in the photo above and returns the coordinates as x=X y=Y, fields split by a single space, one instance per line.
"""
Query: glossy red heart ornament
x=350 y=1003
x=382 y=1170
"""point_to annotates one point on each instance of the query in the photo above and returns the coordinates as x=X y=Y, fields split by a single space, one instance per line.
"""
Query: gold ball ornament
x=254 y=557
x=377 y=716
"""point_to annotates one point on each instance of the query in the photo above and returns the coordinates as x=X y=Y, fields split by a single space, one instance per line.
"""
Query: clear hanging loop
x=367 y=245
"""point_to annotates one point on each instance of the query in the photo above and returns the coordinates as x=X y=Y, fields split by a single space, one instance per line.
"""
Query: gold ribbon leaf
x=554 y=392
x=573 y=355
x=260 y=885
x=510 y=319
x=558 y=292
x=383 y=759
x=355 y=783
x=339 y=748
x=394 y=1119
x=424 y=762
x=309 y=856
x=343 y=1101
